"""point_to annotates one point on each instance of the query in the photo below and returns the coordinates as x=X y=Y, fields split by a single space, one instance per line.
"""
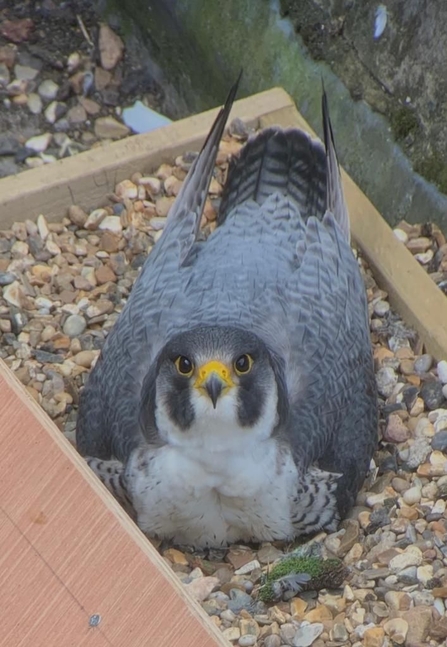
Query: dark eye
x=243 y=364
x=184 y=366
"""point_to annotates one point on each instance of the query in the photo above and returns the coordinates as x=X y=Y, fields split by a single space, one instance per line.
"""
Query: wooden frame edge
x=87 y=178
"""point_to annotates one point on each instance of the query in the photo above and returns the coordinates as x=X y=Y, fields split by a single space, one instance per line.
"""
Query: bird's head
x=211 y=384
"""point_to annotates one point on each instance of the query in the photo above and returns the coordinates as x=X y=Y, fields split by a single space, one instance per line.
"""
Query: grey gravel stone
x=408 y=576
x=439 y=441
x=431 y=393
x=418 y=453
x=240 y=600
x=48 y=90
x=6 y=278
x=423 y=364
x=50 y=358
x=386 y=381
x=75 y=325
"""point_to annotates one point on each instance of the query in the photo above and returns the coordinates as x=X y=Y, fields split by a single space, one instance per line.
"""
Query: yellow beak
x=214 y=377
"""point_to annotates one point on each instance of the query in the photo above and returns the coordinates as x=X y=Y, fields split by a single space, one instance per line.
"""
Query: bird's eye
x=184 y=366
x=243 y=364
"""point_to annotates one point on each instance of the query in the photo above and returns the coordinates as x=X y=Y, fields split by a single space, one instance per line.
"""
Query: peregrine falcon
x=235 y=397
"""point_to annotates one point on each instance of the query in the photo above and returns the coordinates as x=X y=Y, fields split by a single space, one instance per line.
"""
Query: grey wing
x=107 y=424
x=333 y=421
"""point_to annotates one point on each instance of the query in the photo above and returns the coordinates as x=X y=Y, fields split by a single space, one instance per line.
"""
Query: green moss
x=434 y=169
x=323 y=572
x=403 y=122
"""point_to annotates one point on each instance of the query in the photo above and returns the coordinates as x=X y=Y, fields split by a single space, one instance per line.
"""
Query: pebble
x=386 y=381
x=412 y=495
x=400 y=235
x=34 y=103
x=404 y=560
x=396 y=431
x=54 y=111
x=248 y=568
x=6 y=278
x=110 y=128
x=381 y=308
x=85 y=358
x=74 y=326
x=201 y=587
x=442 y=371
x=48 y=90
x=439 y=441
x=307 y=634
x=77 y=115
x=111 y=47
x=25 y=73
x=431 y=393
x=111 y=223
x=39 y=143
x=423 y=364
x=272 y=641
x=95 y=218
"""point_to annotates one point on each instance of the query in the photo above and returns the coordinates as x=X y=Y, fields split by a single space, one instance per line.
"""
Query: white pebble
x=412 y=495
x=439 y=605
x=48 y=89
x=424 y=257
x=400 y=235
x=406 y=559
x=381 y=307
x=439 y=507
x=111 y=223
x=42 y=227
x=442 y=371
x=39 y=143
x=248 y=568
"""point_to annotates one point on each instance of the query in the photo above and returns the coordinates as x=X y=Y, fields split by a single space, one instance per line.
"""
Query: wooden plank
x=68 y=551
x=87 y=178
x=411 y=291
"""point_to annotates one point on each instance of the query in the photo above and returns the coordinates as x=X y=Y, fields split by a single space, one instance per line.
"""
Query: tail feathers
x=111 y=474
x=188 y=207
x=277 y=160
x=334 y=188
x=289 y=162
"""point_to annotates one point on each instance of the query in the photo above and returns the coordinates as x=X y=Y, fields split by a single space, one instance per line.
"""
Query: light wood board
x=69 y=552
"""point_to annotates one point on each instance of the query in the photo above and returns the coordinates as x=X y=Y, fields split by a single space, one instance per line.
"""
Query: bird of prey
x=235 y=397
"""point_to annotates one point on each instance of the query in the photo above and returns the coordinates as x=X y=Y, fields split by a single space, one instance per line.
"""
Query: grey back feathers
x=279 y=265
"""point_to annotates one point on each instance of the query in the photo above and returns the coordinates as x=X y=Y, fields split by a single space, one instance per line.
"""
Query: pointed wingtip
x=335 y=198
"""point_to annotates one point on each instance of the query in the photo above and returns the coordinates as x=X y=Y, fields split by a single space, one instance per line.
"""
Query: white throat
x=217 y=430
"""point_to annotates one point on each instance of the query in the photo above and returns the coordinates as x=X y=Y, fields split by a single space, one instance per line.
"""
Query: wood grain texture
x=412 y=293
x=68 y=551
x=87 y=178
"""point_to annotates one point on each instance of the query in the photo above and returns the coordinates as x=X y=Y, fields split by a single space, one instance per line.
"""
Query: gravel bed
x=62 y=286
x=66 y=80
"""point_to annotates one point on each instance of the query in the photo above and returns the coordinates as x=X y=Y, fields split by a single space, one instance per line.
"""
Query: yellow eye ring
x=243 y=364
x=184 y=366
